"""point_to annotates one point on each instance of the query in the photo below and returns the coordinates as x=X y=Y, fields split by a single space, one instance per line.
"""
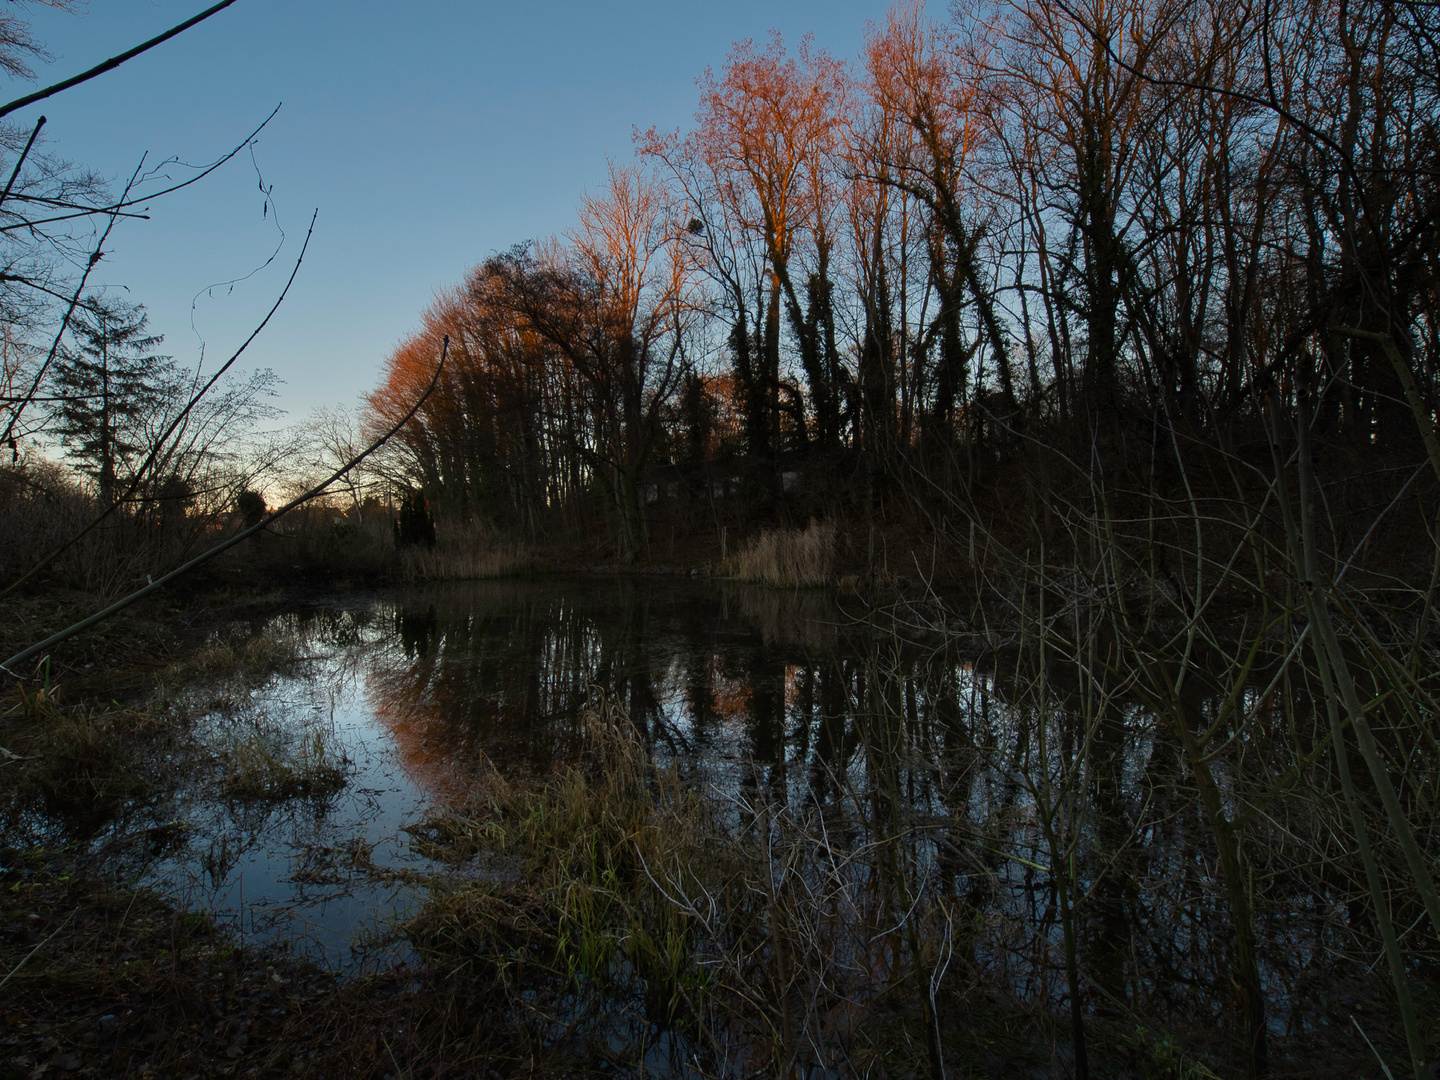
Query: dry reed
x=464 y=551
x=788 y=558
x=451 y=564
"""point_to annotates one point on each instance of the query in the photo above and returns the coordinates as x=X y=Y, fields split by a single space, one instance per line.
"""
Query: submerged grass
x=80 y=763
x=257 y=768
x=263 y=651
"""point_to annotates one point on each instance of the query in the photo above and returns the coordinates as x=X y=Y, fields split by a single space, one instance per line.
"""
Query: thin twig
x=170 y=430
x=95 y=256
x=36 y=949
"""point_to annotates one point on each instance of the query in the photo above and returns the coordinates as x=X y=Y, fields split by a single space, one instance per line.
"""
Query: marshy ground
x=604 y=906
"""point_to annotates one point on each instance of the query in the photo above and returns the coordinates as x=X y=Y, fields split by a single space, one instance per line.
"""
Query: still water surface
x=417 y=690
x=760 y=697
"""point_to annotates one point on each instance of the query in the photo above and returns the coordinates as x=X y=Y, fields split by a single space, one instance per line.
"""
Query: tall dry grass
x=465 y=551
x=442 y=564
x=788 y=558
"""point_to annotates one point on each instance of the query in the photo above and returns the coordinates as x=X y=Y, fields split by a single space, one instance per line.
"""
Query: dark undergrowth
x=108 y=981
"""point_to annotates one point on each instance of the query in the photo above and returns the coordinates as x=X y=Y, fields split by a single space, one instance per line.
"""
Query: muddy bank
x=105 y=981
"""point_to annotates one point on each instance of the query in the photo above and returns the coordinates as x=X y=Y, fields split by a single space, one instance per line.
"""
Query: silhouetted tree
x=104 y=385
x=415 y=527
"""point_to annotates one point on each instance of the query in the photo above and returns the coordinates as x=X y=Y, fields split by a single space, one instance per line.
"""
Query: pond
x=411 y=693
x=291 y=825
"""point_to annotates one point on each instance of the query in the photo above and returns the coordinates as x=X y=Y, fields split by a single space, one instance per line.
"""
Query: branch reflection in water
x=944 y=783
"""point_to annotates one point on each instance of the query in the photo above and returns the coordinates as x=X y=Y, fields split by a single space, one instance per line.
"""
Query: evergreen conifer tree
x=104 y=384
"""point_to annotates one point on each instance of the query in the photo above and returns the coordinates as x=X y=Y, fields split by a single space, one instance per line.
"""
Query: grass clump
x=256 y=654
x=788 y=558
x=562 y=905
x=616 y=912
x=456 y=563
x=81 y=763
x=260 y=766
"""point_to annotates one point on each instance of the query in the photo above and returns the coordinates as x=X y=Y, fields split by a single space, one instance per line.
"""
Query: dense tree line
x=1037 y=221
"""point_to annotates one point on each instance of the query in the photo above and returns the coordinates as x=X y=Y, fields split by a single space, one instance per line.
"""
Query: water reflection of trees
x=1005 y=792
x=503 y=671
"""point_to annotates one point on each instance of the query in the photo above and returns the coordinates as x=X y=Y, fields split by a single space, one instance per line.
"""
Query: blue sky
x=428 y=134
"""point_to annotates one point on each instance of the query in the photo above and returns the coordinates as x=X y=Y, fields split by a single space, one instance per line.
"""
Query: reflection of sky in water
x=288 y=870
x=763 y=697
x=757 y=695
x=420 y=689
